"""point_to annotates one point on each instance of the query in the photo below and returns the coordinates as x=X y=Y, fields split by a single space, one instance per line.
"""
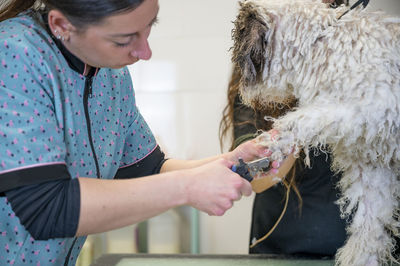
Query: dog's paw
x=280 y=144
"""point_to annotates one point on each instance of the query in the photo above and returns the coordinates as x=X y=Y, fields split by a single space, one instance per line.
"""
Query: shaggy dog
x=345 y=75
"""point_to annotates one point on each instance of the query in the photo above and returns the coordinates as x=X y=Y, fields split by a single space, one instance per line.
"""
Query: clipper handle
x=242 y=170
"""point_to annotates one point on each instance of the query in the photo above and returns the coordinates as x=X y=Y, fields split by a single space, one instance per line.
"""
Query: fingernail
x=276 y=164
x=273 y=134
x=274 y=170
x=267 y=152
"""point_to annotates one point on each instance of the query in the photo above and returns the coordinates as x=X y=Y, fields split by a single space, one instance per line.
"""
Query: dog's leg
x=370 y=200
x=315 y=125
x=370 y=192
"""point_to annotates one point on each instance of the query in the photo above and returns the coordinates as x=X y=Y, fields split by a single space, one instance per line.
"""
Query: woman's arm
x=247 y=151
x=56 y=208
x=208 y=185
x=110 y=204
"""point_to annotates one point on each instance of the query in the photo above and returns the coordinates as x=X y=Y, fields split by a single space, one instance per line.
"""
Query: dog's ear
x=252 y=48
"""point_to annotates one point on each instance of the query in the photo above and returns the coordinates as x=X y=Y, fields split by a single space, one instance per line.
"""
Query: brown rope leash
x=288 y=186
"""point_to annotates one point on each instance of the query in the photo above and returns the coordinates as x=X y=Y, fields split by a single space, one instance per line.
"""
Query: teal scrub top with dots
x=43 y=128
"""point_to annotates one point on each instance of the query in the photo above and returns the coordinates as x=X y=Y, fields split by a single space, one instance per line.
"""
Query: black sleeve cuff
x=48 y=210
x=148 y=166
x=33 y=175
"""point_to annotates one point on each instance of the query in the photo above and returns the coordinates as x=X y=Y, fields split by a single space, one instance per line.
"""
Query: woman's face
x=118 y=41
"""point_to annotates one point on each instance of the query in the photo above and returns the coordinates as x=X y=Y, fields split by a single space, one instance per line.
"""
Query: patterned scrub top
x=44 y=130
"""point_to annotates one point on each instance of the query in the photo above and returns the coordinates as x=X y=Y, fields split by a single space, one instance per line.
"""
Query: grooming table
x=204 y=260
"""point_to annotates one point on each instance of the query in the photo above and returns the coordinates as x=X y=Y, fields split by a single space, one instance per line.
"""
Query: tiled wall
x=181 y=92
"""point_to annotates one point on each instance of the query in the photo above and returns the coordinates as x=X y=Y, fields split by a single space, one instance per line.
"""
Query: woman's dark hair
x=80 y=13
x=228 y=123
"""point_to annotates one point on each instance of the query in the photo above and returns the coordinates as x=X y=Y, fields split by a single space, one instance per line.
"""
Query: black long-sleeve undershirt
x=51 y=209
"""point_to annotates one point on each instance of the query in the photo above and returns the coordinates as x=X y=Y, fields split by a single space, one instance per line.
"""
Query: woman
x=303 y=220
x=310 y=225
x=69 y=127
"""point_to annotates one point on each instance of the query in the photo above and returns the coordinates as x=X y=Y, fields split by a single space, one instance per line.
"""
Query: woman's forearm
x=247 y=151
x=131 y=200
x=175 y=164
x=207 y=184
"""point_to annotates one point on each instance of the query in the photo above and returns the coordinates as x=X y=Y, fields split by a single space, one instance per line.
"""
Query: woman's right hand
x=213 y=187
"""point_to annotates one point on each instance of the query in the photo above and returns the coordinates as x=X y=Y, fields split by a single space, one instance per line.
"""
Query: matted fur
x=345 y=75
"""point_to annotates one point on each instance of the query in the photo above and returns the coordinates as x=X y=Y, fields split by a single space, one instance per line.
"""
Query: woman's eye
x=121 y=44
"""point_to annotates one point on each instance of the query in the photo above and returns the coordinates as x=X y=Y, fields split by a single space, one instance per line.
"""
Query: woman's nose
x=143 y=51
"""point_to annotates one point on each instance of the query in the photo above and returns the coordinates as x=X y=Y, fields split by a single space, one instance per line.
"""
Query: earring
x=58 y=36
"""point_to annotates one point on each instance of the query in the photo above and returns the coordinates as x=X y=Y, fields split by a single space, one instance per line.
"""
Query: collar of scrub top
x=356 y=4
x=74 y=62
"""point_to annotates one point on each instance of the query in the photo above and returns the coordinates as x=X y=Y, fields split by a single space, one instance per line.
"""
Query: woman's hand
x=253 y=149
x=213 y=187
x=248 y=151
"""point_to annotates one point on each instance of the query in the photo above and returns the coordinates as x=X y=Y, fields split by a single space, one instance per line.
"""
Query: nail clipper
x=249 y=170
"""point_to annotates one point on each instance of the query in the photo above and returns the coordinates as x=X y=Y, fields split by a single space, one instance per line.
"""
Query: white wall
x=181 y=92
x=389 y=6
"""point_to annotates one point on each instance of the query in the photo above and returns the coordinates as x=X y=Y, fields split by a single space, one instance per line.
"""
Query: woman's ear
x=60 y=26
x=252 y=42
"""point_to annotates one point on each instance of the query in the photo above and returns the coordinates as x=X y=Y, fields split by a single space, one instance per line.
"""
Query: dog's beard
x=261 y=98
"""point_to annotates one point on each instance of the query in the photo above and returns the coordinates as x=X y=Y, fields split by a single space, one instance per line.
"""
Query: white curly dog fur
x=345 y=75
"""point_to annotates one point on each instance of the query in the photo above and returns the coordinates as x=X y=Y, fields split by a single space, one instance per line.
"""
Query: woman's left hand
x=248 y=151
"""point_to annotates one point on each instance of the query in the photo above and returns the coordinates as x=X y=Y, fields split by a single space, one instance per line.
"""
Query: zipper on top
x=86 y=94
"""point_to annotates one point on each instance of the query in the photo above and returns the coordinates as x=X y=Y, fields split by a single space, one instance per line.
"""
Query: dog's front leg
x=315 y=125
